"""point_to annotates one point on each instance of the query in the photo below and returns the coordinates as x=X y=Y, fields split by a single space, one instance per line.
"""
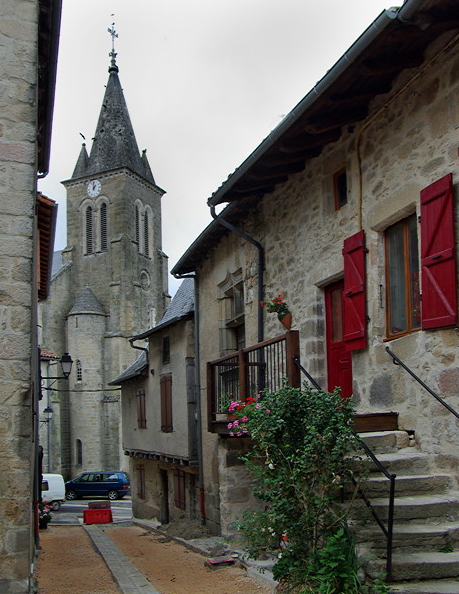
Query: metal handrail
x=389 y=530
x=397 y=361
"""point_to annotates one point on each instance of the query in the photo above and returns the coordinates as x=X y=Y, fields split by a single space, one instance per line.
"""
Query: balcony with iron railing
x=263 y=366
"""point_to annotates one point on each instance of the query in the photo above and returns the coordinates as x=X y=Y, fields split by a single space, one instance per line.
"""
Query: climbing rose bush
x=301 y=445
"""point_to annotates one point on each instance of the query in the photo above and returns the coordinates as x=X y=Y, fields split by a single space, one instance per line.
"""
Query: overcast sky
x=205 y=82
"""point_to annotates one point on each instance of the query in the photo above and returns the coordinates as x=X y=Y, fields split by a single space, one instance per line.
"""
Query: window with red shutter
x=354 y=292
x=402 y=277
x=438 y=255
x=166 y=403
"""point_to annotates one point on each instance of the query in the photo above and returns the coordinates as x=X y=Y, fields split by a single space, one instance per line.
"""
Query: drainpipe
x=197 y=390
x=261 y=264
x=133 y=346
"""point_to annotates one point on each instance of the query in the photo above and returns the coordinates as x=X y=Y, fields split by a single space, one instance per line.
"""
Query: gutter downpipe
x=197 y=390
x=133 y=346
x=261 y=263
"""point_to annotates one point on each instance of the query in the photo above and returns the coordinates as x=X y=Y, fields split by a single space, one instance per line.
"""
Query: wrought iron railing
x=386 y=530
x=398 y=361
x=263 y=366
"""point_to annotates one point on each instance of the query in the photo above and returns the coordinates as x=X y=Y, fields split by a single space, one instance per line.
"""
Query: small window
x=166 y=350
x=79 y=371
x=89 y=235
x=79 y=452
x=179 y=489
x=340 y=188
x=103 y=227
x=402 y=277
x=141 y=411
x=166 y=403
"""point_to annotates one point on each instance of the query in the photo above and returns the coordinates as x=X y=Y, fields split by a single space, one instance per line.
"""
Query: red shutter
x=354 y=319
x=438 y=255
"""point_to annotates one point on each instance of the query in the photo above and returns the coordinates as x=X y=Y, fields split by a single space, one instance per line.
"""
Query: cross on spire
x=113 y=54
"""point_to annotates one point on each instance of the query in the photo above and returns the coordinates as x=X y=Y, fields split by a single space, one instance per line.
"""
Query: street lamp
x=48 y=414
x=66 y=364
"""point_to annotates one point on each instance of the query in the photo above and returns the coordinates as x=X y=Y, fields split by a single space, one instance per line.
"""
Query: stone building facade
x=28 y=51
x=338 y=211
x=159 y=412
x=112 y=283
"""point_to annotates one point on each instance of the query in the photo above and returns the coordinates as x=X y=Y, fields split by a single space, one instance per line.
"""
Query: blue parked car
x=114 y=485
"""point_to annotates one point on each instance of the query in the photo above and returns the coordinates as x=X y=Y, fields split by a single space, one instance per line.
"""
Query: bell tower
x=113 y=282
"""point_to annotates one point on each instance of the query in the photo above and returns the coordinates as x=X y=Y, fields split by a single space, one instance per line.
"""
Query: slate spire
x=114 y=143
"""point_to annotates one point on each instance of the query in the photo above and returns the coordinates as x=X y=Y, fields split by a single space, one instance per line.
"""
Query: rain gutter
x=197 y=393
x=368 y=36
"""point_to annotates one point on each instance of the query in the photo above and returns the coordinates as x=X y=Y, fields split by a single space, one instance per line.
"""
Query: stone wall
x=408 y=141
x=18 y=344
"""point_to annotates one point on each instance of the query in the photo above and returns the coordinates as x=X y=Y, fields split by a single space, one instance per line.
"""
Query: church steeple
x=114 y=143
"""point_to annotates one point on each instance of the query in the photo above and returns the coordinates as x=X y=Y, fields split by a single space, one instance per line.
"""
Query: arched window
x=137 y=227
x=146 y=235
x=79 y=371
x=103 y=227
x=79 y=452
x=89 y=236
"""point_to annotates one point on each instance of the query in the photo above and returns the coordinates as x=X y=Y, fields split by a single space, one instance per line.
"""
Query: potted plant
x=277 y=305
x=45 y=514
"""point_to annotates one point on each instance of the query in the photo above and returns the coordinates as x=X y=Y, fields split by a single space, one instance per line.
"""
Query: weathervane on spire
x=113 y=54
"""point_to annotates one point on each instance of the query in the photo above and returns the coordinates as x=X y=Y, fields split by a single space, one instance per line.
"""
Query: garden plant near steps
x=302 y=442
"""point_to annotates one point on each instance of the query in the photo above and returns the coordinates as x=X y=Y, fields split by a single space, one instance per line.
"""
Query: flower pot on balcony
x=285 y=320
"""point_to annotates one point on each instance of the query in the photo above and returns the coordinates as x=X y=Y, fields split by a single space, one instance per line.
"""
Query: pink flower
x=258 y=405
x=267 y=411
x=244 y=419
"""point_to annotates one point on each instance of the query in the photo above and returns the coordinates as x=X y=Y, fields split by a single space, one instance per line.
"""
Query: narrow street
x=109 y=558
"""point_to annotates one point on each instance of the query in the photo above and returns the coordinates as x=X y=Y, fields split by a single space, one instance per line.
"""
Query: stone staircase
x=425 y=556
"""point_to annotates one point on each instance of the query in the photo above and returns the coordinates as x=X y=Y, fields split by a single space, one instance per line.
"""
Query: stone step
x=413 y=536
x=384 y=442
x=406 y=461
x=423 y=507
x=418 y=566
x=412 y=484
x=444 y=586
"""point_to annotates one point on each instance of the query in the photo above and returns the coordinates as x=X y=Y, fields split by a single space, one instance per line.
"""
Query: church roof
x=87 y=303
x=114 y=143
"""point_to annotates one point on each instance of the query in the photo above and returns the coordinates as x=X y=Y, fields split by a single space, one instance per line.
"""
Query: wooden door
x=339 y=361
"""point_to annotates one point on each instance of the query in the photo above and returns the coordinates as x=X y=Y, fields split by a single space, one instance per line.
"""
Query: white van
x=53 y=490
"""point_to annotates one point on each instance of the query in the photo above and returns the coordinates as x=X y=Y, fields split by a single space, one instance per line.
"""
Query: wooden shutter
x=438 y=255
x=141 y=411
x=166 y=403
x=354 y=322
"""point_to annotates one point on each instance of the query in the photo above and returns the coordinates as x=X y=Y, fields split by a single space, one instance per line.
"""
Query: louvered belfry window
x=103 y=227
x=146 y=237
x=137 y=227
x=89 y=229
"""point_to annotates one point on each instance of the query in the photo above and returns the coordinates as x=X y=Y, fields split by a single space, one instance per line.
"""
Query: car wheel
x=71 y=495
x=113 y=495
x=56 y=505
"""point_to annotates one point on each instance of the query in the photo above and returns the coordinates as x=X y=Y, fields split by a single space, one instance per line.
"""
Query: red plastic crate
x=97 y=516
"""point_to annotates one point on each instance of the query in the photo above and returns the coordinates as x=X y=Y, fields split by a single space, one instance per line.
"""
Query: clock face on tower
x=94 y=188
